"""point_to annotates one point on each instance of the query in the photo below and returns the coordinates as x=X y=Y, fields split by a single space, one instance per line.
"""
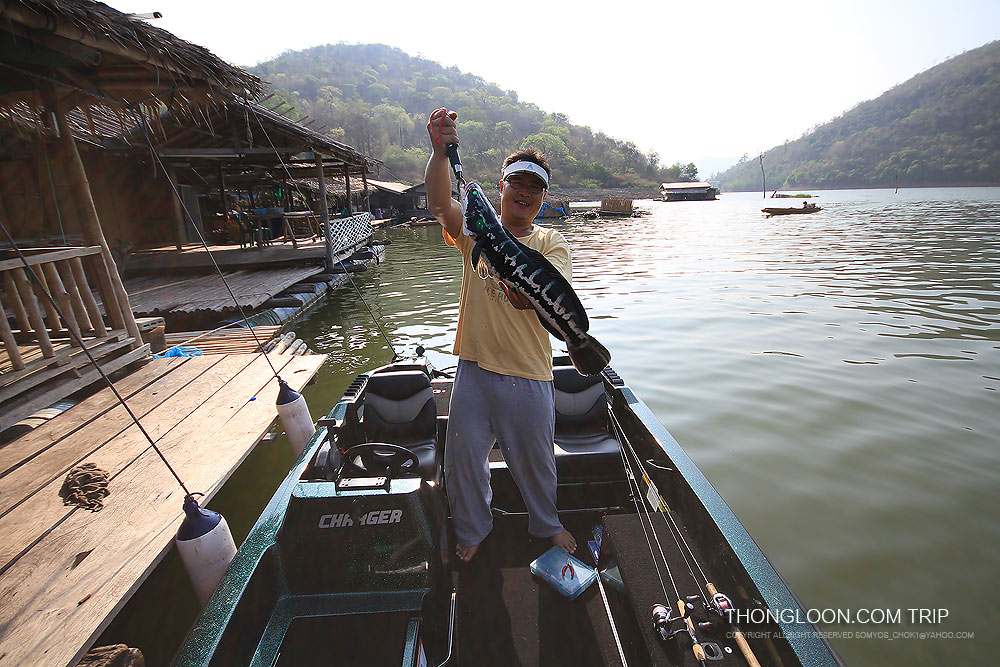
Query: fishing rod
x=662 y=620
x=201 y=237
x=395 y=355
x=78 y=339
x=718 y=603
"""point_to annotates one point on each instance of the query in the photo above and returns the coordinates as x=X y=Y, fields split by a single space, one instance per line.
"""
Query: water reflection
x=834 y=376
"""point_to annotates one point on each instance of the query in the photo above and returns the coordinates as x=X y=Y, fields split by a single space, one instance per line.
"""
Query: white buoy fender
x=295 y=417
x=206 y=546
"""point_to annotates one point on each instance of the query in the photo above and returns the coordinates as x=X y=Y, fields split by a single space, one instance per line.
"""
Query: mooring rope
x=86 y=486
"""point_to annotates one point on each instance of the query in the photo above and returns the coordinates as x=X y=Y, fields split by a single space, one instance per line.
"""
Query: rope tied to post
x=86 y=486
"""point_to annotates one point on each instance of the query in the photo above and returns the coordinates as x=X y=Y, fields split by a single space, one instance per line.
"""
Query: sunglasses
x=526 y=184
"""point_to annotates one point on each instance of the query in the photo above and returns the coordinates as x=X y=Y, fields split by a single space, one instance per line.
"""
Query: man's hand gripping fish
x=498 y=253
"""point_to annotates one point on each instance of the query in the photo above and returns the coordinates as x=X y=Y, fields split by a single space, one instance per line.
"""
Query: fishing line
x=669 y=528
x=637 y=499
x=177 y=194
x=55 y=198
x=395 y=355
x=79 y=341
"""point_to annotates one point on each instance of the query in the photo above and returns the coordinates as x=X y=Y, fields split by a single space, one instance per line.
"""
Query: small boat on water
x=348 y=563
x=550 y=211
x=799 y=210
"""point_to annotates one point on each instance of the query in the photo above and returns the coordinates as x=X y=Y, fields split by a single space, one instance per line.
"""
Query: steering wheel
x=379 y=459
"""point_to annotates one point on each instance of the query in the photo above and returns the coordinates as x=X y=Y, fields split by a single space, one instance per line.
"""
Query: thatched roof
x=95 y=55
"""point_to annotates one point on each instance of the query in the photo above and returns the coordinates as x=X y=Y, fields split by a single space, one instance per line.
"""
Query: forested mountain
x=377 y=98
x=942 y=127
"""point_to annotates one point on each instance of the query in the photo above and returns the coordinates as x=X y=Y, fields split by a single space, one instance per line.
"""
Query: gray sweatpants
x=517 y=413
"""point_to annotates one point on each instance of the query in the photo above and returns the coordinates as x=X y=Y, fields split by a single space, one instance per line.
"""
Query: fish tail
x=589 y=357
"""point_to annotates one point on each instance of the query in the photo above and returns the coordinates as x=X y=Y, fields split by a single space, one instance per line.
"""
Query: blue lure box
x=568 y=575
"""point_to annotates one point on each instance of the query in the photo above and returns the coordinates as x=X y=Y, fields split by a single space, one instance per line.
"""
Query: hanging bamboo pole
x=51 y=314
x=368 y=201
x=76 y=299
x=34 y=315
x=20 y=314
x=76 y=264
x=60 y=294
x=13 y=351
x=90 y=222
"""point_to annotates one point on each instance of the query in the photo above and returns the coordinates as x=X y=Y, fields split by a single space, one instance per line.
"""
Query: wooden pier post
x=89 y=221
x=368 y=200
x=347 y=181
x=324 y=212
x=175 y=197
x=764 y=178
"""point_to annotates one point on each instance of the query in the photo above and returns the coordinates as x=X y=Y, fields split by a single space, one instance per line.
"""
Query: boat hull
x=789 y=211
x=361 y=563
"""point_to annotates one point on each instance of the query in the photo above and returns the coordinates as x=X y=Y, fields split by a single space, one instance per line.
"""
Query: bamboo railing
x=39 y=358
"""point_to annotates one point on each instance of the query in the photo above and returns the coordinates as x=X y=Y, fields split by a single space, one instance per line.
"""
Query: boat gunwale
x=805 y=638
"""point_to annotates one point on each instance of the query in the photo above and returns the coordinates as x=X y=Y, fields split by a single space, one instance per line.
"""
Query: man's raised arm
x=437 y=177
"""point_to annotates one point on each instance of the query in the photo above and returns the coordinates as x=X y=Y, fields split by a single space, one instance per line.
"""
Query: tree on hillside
x=377 y=99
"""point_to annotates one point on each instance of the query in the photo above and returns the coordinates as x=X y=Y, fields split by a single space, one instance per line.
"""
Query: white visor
x=525 y=167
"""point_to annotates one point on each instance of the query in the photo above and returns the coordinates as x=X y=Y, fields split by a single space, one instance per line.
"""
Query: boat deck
x=507 y=616
x=65 y=571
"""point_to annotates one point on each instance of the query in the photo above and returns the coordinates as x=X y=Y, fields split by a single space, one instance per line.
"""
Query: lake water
x=834 y=375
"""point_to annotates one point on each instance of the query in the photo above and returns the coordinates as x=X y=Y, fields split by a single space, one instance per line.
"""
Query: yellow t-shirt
x=494 y=334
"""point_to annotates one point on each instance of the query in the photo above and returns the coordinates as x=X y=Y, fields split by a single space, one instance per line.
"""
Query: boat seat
x=584 y=445
x=399 y=409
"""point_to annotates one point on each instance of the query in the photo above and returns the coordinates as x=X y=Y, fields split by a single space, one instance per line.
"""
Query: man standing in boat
x=503 y=388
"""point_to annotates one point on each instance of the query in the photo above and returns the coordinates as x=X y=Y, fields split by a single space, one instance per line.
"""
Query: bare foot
x=466 y=553
x=564 y=540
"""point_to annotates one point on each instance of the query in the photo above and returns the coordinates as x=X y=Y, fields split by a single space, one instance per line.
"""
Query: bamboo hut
x=75 y=73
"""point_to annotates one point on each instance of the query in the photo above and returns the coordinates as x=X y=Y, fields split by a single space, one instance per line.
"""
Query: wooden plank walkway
x=227 y=256
x=161 y=294
x=65 y=572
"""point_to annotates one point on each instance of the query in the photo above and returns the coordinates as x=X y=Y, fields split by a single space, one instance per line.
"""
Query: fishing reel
x=710 y=618
x=663 y=622
x=664 y=618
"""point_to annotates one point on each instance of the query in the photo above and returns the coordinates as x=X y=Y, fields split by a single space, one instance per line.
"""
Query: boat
x=348 y=564
x=549 y=211
x=799 y=210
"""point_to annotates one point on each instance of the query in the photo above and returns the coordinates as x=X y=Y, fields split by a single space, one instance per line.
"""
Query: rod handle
x=456 y=162
x=699 y=652
x=741 y=641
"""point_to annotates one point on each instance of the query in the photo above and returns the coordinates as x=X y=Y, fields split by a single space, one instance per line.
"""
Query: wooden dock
x=194 y=257
x=183 y=295
x=64 y=571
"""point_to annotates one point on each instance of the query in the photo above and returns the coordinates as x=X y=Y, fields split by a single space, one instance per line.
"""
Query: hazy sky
x=694 y=81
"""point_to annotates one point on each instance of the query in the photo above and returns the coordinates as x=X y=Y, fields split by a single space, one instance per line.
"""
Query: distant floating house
x=408 y=200
x=690 y=191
